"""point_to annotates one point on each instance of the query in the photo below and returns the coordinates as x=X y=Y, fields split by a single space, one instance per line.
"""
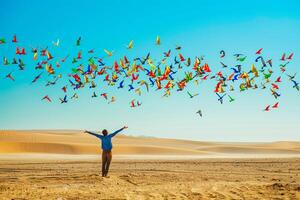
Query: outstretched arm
x=94 y=134
x=118 y=131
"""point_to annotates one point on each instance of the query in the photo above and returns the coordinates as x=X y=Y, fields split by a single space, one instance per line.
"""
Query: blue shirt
x=106 y=140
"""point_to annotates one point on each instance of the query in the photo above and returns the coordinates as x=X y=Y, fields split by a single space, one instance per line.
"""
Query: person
x=106 y=145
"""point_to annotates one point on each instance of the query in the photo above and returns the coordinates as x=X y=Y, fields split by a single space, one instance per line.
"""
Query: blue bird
x=121 y=85
x=152 y=82
x=130 y=87
x=220 y=97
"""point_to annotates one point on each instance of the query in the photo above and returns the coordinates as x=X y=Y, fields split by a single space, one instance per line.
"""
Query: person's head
x=104 y=132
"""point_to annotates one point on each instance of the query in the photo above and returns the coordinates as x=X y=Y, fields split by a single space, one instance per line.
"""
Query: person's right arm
x=94 y=134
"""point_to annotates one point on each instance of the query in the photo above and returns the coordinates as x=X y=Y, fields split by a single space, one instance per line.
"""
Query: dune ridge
x=76 y=142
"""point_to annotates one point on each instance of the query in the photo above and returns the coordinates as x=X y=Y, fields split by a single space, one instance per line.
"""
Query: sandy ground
x=148 y=179
x=66 y=165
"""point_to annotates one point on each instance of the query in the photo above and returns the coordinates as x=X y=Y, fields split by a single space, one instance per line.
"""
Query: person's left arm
x=118 y=131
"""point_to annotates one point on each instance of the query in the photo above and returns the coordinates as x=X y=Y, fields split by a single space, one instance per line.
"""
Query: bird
x=275 y=105
x=267 y=108
x=220 y=98
x=222 y=53
x=64 y=100
x=157 y=42
x=14 y=40
x=56 y=43
x=121 y=84
x=132 y=104
x=130 y=45
x=278 y=80
x=78 y=41
x=192 y=95
x=296 y=84
x=46 y=98
x=231 y=99
x=94 y=95
x=291 y=77
x=199 y=112
x=108 y=53
x=290 y=56
x=259 y=51
x=9 y=76
x=37 y=77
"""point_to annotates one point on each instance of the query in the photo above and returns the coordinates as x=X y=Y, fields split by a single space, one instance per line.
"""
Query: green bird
x=78 y=41
x=192 y=95
x=74 y=61
x=231 y=99
x=2 y=40
x=267 y=76
x=74 y=70
x=241 y=59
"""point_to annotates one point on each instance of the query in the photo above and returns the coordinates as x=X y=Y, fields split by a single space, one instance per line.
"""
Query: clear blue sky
x=201 y=27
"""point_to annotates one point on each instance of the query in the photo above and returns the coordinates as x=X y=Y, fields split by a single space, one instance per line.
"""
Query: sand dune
x=77 y=142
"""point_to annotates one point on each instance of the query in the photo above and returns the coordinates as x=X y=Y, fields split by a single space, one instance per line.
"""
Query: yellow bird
x=113 y=99
x=130 y=45
x=86 y=79
x=35 y=56
x=138 y=90
x=254 y=70
x=109 y=53
x=49 y=69
x=157 y=40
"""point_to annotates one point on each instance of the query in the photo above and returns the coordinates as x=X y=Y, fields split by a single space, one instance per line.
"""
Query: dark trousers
x=106 y=159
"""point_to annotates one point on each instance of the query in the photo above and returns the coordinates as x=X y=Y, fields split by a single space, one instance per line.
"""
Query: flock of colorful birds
x=140 y=74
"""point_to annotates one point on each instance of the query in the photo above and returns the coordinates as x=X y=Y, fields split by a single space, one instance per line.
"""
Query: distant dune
x=77 y=142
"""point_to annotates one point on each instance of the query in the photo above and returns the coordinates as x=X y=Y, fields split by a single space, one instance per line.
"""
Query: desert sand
x=66 y=165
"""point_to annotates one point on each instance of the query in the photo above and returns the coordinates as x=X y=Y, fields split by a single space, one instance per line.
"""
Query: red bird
x=134 y=78
x=18 y=51
x=205 y=77
x=126 y=60
x=290 y=56
x=79 y=55
x=282 y=69
x=275 y=86
x=168 y=85
x=259 y=51
x=181 y=58
x=64 y=89
x=278 y=80
x=14 y=39
x=275 y=105
x=23 y=51
x=283 y=57
x=219 y=74
x=104 y=95
x=270 y=62
x=267 y=108
x=47 y=98
x=132 y=104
